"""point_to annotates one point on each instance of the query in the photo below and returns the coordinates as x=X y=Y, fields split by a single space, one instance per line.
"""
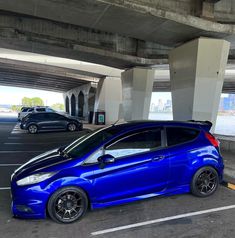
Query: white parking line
x=119 y=228
x=29 y=143
x=17 y=130
x=5 y=165
x=21 y=151
x=5 y=188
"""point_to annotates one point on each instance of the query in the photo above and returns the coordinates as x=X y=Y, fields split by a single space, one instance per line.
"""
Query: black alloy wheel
x=205 y=182
x=67 y=205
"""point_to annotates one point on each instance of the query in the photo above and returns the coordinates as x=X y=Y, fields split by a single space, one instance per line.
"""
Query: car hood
x=39 y=162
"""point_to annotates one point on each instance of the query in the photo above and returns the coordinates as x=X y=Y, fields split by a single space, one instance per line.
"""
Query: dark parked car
x=118 y=164
x=35 y=122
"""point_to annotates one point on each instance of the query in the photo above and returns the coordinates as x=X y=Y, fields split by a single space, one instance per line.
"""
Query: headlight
x=35 y=178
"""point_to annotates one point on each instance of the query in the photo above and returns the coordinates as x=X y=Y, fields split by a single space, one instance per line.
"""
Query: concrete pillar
x=197 y=71
x=108 y=98
x=137 y=86
x=86 y=106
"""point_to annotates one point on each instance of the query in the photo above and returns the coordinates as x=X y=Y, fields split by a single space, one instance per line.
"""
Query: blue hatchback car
x=118 y=164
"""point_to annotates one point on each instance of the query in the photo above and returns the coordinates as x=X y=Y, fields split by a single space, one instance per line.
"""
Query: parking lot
x=149 y=218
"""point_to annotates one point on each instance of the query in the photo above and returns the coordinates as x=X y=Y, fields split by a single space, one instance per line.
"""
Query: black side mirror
x=105 y=159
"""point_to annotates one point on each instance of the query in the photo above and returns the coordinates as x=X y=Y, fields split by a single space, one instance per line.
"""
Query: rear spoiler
x=206 y=125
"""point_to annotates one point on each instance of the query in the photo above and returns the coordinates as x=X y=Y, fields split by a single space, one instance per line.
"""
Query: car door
x=57 y=121
x=52 y=121
x=42 y=120
x=180 y=146
x=140 y=167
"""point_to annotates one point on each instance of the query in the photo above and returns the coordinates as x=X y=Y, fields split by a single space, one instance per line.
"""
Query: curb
x=229 y=185
x=229 y=175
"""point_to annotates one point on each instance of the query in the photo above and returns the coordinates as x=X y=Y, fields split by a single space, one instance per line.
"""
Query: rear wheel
x=67 y=205
x=205 y=182
x=72 y=126
x=33 y=129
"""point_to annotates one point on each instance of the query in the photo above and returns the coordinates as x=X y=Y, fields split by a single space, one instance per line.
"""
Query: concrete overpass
x=135 y=36
x=118 y=34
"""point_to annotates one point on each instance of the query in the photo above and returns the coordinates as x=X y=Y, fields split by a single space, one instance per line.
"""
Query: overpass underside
x=133 y=36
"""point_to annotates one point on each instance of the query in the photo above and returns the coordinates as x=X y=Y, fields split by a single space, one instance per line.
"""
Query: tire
x=33 y=129
x=205 y=182
x=72 y=127
x=67 y=205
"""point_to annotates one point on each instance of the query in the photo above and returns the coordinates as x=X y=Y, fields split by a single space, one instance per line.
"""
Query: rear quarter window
x=179 y=135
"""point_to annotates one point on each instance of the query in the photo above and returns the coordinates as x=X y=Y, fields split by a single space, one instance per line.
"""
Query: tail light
x=212 y=139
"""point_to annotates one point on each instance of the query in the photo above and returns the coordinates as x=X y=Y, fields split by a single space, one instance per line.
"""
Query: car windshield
x=89 y=142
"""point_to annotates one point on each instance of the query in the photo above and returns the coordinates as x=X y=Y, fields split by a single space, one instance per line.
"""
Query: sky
x=14 y=95
x=164 y=96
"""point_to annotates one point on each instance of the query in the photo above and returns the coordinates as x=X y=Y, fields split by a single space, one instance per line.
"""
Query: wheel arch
x=75 y=185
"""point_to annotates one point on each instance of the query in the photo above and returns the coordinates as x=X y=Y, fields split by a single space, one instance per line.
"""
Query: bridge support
x=108 y=98
x=137 y=86
x=197 y=71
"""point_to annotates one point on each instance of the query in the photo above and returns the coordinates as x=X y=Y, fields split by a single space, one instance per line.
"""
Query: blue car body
x=167 y=170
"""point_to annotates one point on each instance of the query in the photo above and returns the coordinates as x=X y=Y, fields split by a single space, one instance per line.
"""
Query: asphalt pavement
x=175 y=216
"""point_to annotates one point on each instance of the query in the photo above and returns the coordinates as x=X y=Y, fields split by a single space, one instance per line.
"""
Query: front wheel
x=67 y=205
x=205 y=182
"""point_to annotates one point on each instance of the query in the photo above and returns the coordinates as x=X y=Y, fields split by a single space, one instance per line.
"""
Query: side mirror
x=105 y=159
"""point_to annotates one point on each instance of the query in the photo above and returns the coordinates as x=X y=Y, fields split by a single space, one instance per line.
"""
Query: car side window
x=178 y=135
x=40 y=109
x=93 y=158
x=135 y=143
x=60 y=117
x=38 y=116
x=52 y=116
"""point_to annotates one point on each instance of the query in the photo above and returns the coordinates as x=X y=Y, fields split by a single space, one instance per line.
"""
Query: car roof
x=139 y=124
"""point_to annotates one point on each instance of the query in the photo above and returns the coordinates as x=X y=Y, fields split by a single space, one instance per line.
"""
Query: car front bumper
x=23 y=126
x=29 y=202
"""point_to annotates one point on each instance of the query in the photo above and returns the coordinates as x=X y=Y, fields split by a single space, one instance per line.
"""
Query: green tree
x=58 y=106
x=26 y=102
x=36 y=101
x=15 y=108
x=30 y=102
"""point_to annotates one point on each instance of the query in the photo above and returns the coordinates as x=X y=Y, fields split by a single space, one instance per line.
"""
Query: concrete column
x=108 y=98
x=137 y=86
x=197 y=71
x=76 y=108
x=86 y=107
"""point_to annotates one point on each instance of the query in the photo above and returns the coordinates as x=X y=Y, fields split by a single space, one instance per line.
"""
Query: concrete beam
x=64 y=40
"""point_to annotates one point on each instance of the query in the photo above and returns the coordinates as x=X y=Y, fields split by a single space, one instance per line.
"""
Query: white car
x=26 y=110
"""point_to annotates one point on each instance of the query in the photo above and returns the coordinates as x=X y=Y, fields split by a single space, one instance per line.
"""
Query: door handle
x=158 y=158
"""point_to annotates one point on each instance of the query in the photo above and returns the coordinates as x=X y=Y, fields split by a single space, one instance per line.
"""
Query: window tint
x=54 y=116
x=40 y=109
x=24 y=109
x=60 y=117
x=177 y=135
x=90 y=142
x=30 y=110
x=38 y=116
x=135 y=143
